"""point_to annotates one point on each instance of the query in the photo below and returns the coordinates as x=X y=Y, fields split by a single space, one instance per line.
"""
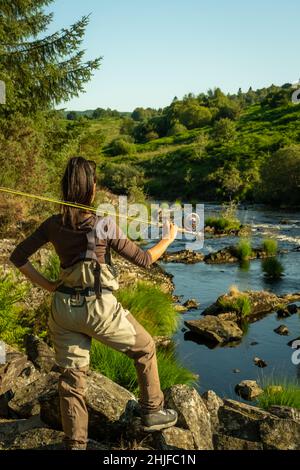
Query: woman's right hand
x=169 y=231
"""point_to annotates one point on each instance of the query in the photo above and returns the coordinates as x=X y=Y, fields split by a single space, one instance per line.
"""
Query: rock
x=9 y=429
x=25 y=402
x=191 y=304
x=241 y=420
x=259 y=362
x=231 y=316
x=226 y=255
x=292 y=308
x=282 y=330
x=214 y=329
x=253 y=343
x=213 y=403
x=274 y=388
x=4 y=400
x=39 y=353
x=283 y=313
x=285 y=412
x=192 y=414
x=236 y=371
x=248 y=389
x=224 y=442
x=14 y=365
x=162 y=341
x=175 y=438
x=280 y=434
x=180 y=308
x=110 y=407
x=262 y=302
x=183 y=256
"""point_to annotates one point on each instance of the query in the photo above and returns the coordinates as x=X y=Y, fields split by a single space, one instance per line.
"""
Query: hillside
x=223 y=159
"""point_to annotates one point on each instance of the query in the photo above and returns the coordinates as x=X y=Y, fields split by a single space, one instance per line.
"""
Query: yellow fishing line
x=81 y=206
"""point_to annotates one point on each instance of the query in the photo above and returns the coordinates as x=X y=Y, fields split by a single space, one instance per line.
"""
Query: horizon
x=154 y=52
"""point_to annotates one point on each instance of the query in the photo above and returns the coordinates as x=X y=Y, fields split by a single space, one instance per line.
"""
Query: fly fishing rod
x=92 y=209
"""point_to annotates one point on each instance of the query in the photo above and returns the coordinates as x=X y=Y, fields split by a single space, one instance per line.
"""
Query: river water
x=217 y=367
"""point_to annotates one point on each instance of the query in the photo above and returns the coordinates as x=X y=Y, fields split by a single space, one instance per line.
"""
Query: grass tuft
x=279 y=392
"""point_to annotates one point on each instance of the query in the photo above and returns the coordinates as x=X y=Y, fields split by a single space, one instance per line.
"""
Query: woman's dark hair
x=78 y=187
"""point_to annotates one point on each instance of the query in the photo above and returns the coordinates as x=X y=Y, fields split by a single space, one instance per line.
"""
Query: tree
x=40 y=72
x=192 y=115
x=281 y=177
x=224 y=130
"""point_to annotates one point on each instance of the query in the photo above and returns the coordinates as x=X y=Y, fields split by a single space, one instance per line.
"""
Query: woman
x=83 y=305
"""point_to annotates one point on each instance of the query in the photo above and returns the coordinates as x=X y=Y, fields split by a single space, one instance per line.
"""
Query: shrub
x=270 y=246
x=11 y=293
x=120 y=146
x=272 y=268
x=222 y=224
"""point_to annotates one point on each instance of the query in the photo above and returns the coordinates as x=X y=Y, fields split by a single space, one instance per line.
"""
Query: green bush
x=52 y=268
x=270 y=246
x=12 y=330
x=244 y=250
x=280 y=392
x=272 y=268
x=120 y=146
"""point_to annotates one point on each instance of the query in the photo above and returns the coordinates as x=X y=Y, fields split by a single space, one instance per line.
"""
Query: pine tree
x=40 y=72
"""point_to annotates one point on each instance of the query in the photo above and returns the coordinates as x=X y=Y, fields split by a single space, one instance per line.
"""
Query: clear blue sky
x=154 y=50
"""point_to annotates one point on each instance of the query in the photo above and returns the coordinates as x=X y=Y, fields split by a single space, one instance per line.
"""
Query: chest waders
x=84 y=307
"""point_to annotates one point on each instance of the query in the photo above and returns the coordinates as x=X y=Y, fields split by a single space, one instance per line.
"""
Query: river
x=217 y=368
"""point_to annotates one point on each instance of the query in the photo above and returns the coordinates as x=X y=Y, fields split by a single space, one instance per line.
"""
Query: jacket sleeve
x=119 y=242
x=19 y=257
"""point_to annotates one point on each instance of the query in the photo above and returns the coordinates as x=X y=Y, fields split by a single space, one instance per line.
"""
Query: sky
x=154 y=50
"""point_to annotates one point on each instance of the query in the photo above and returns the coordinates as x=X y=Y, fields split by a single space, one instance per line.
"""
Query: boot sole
x=159 y=427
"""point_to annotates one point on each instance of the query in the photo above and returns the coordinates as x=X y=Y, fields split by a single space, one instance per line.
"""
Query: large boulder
x=192 y=415
x=110 y=407
x=213 y=403
x=175 y=438
x=241 y=420
x=224 y=442
x=183 y=256
x=39 y=353
x=11 y=369
x=215 y=329
x=25 y=402
x=285 y=412
x=280 y=434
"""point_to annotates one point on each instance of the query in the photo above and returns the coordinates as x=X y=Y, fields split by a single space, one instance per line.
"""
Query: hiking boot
x=159 y=420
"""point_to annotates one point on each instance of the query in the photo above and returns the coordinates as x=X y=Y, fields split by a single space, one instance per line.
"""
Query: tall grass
x=153 y=308
x=272 y=269
x=244 y=249
x=240 y=304
x=120 y=368
x=52 y=268
x=270 y=246
x=279 y=392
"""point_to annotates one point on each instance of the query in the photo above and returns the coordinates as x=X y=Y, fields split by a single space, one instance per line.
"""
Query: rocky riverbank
x=30 y=416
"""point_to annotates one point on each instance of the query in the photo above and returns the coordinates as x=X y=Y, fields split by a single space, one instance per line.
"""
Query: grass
x=272 y=269
x=244 y=250
x=280 y=392
x=270 y=246
x=52 y=268
x=151 y=307
x=238 y=303
x=120 y=368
